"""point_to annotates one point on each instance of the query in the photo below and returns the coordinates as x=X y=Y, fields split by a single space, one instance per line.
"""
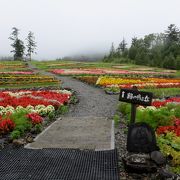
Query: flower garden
x=28 y=100
x=18 y=75
x=24 y=110
x=164 y=114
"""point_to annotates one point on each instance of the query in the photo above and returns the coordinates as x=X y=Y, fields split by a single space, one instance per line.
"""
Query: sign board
x=136 y=97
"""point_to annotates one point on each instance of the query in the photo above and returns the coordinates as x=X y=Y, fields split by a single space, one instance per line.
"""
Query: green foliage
x=38 y=128
x=169 y=145
x=177 y=111
x=116 y=119
x=124 y=108
x=62 y=109
x=175 y=169
x=178 y=62
x=31 y=44
x=15 y=134
x=18 y=45
x=163 y=92
x=21 y=121
x=160 y=50
x=51 y=116
x=155 y=118
x=74 y=99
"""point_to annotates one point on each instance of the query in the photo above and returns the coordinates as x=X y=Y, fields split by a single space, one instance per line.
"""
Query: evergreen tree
x=178 y=63
x=123 y=45
x=169 y=62
x=31 y=44
x=112 y=51
x=18 y=45
x=172 y=34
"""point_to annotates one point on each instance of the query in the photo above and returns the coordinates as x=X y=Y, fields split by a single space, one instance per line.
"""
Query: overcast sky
x=67 y=27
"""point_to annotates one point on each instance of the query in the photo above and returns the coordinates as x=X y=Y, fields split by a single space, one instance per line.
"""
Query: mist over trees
x=159 y=50
x=18 y=45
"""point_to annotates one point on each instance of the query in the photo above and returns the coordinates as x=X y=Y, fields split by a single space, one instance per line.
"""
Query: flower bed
x=14 y=66
x=25 y=98
x=21 y=111
x=141 y=83
x=16 y=79
x=102 y=71
x=17 y=72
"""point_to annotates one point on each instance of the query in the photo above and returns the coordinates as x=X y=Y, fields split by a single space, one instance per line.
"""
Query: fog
x=80 y=27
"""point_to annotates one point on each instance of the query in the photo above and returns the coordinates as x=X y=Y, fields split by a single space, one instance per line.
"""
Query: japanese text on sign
x=135 y=97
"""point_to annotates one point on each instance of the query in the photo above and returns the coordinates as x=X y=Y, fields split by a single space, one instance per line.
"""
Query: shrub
x=116 y=119
x=38 y=128
x=15 y=134
x=62 y=109
x=21 y=121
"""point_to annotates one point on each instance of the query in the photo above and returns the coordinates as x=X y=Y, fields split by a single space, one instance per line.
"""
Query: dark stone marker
x=141 y=138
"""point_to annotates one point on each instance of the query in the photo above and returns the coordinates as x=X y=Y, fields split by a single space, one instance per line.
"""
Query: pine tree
x=31 y=44
x=18 y=45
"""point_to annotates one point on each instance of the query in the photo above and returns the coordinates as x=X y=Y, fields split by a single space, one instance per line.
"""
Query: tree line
x=19 y=47
x=159 y=50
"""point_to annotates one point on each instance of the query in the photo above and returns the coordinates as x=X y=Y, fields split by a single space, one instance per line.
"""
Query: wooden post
x=133 y=113
x=133 y=109
x=135 y=97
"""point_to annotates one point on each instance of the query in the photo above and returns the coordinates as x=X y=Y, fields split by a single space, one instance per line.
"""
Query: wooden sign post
x=135 y=97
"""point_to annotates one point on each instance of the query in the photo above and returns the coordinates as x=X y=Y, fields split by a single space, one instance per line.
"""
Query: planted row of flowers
x=22 y=111
x=13 y=67
x=25 y=98
x=101 y=71
x=17 y=72
x=26 y=79
x=140 y=82
x=164 y=118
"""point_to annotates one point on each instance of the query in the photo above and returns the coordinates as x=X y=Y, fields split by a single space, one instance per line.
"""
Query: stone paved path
x=88 y=125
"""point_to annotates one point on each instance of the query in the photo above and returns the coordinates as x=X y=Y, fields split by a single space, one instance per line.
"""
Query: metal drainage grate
x=58 y=164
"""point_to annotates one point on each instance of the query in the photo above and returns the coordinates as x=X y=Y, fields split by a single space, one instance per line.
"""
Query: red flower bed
x=163 y=103
x=6 y=126
x=165 y=129
x=35 y=118
x=34 y=98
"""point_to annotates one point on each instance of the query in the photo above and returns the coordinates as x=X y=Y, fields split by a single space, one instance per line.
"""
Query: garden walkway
x=88 y=125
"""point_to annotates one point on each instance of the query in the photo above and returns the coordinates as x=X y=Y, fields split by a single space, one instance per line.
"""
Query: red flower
x=177 y=121
x=6 y=126
x=35 y=118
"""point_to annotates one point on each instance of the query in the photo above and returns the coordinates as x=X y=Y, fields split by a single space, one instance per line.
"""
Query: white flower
x=1 y=108
x=29 y=107
x=141 y=108
x=40 y=107
x=19 y=108
x=151 y=108
x=9 y=108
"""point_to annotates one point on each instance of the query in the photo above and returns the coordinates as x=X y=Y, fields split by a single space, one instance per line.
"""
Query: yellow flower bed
x=104 y=81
